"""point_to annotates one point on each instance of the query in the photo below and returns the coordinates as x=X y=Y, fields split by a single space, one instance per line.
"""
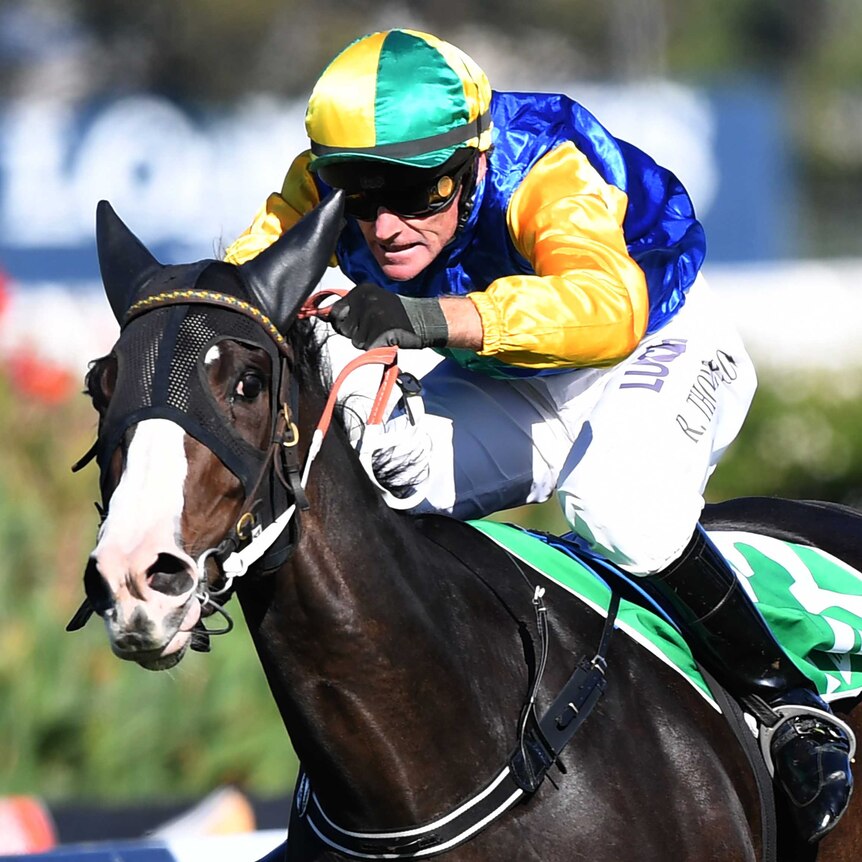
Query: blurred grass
x=78 y=723
x=802 y=439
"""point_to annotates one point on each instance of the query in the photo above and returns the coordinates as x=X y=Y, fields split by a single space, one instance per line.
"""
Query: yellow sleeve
x=280 y=212
x=587 y=303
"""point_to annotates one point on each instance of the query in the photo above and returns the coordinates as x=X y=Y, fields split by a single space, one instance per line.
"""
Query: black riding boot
x=727 y=634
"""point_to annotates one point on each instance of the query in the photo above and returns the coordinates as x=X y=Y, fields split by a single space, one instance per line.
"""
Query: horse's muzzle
x=149 y=611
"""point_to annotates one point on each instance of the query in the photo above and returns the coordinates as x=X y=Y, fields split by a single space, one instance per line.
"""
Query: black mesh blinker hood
x=171 y=315
x=178 y=315
x=161 y=374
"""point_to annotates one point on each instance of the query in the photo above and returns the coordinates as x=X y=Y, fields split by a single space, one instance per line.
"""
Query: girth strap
x=525 y=771
x=430 y=839
x=735 y=718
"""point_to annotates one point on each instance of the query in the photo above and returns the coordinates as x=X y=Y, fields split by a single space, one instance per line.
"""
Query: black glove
x=373 y=317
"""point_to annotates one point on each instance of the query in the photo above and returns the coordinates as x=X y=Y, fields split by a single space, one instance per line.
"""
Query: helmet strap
x=466 y=199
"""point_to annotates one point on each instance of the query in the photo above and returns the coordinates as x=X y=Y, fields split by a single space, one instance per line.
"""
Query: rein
x=249 y=541
x=256 y=540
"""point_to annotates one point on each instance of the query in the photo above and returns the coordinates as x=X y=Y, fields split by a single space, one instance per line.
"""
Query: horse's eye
x=249 y=386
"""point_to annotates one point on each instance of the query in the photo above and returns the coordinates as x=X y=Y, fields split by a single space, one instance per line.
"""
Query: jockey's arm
x=463 y=321
x=587 y=303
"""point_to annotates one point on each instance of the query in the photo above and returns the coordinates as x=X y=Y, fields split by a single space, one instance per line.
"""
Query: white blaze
x=149 y=498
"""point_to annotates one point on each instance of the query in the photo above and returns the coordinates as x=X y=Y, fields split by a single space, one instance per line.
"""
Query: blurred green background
x=75 y=723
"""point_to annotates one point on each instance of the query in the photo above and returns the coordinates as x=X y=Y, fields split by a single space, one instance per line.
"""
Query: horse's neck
x=369 y=663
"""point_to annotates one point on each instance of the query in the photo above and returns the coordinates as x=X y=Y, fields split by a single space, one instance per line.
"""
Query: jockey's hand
x=373 y=317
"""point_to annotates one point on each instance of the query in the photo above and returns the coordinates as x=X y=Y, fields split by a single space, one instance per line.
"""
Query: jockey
x=557 y=269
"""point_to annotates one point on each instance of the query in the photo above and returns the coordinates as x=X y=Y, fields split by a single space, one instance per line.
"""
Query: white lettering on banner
x=148 y=158
x=197 y=181
x=36 y=207
x=174 y=179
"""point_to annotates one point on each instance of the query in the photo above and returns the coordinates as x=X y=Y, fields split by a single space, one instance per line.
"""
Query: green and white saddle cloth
x=811 y=600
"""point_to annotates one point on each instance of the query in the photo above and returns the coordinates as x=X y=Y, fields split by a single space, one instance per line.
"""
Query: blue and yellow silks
x=577 y=245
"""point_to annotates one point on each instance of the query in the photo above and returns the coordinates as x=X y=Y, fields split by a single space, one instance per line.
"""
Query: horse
x=409 y=657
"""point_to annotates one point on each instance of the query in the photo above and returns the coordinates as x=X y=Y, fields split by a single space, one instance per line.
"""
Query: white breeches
x=629 y=448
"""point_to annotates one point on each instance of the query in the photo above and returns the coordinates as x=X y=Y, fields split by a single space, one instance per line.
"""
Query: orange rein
x=385 y=356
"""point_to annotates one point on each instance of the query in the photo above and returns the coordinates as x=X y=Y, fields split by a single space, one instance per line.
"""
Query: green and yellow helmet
x=400 y=97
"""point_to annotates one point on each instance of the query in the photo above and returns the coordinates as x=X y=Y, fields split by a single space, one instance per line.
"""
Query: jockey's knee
x=641 y=532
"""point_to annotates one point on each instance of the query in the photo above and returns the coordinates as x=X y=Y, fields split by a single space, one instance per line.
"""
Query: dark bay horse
x=401 y=651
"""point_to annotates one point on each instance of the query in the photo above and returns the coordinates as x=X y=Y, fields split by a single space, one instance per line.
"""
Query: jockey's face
x=404 y=246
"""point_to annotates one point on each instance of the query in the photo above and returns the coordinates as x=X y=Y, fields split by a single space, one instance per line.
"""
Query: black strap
x=765 y=791
x=88 y=456
x=286 y=438
x=545 y=739
x=405 y=149
x=539 y=748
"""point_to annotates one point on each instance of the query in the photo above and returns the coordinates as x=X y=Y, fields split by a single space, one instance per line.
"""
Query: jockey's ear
x=283 y=276
x=124 y=261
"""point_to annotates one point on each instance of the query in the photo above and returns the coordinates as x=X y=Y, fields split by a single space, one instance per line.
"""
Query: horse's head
x=190 y=400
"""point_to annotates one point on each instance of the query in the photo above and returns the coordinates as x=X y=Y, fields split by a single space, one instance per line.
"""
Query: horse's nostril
x=97 y=589
x=170 y=575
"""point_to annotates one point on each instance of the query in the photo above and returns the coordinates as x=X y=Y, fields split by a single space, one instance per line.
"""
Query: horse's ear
x=124 y=261
x=282 y=276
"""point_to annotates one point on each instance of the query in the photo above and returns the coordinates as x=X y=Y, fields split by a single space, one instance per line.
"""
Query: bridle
x=248 y=542
x=264 y=535
x=269 y=524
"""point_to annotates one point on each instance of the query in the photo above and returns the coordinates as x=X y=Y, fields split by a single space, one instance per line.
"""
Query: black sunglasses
x=406 y=199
